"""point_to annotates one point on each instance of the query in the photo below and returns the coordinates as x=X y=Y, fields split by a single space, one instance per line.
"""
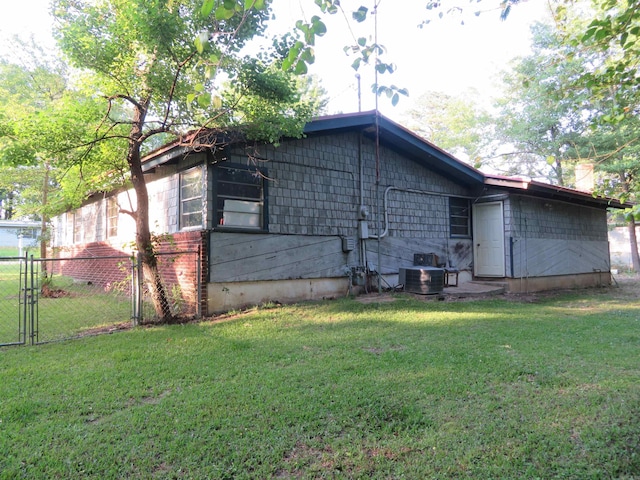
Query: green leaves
x=229 y=8
x=207 y=7
x=391 y=92
x=311 y=30
x=301 y=53
x=360 y=15
x=328 y=6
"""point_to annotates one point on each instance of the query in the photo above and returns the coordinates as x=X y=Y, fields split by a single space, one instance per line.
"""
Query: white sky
x=443 y=56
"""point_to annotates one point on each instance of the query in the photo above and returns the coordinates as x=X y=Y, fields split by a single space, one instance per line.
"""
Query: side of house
x=317 y=237
x=19 y=234
x=353 y=202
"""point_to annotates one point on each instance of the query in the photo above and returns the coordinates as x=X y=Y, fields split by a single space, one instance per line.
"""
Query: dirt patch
x=114 y=327
x=47 y=292
x=375 y=298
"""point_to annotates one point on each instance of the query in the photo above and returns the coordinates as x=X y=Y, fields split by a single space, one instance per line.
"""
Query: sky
x=444 y=56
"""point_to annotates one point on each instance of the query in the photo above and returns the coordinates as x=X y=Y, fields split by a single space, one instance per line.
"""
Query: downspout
x=363 y=258
x=375 y=73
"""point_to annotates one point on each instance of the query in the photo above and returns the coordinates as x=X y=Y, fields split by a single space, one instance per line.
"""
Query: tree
x=614 y=151
x=158 y=63
x=41 y=119
x=543 y=115
x=455 y=124
x=612 y=31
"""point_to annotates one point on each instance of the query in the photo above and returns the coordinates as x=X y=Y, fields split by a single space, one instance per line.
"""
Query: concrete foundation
x=223 y=297
x=539 y=284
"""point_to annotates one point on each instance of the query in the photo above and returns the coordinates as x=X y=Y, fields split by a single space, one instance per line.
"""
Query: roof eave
x=554 y=192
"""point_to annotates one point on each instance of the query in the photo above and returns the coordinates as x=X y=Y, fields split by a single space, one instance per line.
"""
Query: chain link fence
x=180 y=273
x=81 y=296
x=12 y=306
x=45 y=300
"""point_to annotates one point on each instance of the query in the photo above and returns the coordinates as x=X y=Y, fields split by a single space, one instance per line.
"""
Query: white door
x=488 y=240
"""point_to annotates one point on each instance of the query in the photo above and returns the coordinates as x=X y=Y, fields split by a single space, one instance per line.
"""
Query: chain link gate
x=14 y=306
x=45 y=300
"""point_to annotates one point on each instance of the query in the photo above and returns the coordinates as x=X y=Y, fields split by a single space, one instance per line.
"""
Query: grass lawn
x=538 y=387
x=14 y=251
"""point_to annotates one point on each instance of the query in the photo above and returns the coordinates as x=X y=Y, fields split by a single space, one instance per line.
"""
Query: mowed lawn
x=509 y=387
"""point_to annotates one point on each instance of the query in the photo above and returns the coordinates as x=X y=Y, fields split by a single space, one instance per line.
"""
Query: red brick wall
x=177 y=260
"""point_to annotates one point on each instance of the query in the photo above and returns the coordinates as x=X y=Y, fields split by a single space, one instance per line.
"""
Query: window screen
x=239 y=198
x=460 y=217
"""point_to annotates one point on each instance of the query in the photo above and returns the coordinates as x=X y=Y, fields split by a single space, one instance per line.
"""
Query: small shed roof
x=533 y=188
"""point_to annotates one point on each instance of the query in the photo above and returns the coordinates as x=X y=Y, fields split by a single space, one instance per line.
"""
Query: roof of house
x=402 y=140
x=395 y=137
x=19 y=224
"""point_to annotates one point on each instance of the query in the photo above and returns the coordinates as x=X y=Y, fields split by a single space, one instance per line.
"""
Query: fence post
x=136 y=290
x=32 y=304
x=24 y=287
x=139 y=287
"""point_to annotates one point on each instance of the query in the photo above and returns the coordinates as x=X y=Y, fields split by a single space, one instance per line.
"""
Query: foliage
x=159 y=65
x=613 y=32
x=365 y=49
x=411 y=389
x=43 y=118
x=455 y=124
x=544 y=115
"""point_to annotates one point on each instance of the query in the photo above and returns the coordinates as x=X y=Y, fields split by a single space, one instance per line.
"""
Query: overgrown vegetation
x=543 y=387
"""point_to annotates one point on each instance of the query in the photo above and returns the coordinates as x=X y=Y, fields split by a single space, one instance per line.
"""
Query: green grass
x=15 y=251
x=411 y=389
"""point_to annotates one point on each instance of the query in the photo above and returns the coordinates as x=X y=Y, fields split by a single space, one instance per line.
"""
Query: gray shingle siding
x=314 y=189
x=539 y=218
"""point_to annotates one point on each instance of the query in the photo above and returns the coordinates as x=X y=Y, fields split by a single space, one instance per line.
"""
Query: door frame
x=500 y=270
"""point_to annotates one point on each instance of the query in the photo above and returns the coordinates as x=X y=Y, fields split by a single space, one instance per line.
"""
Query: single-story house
x=358 y=196
x=19 y=234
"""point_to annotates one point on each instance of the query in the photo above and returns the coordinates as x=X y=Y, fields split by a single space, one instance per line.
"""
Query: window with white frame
x=239 y=197
x=191 y=198
x=112 y=216
x=459 y=217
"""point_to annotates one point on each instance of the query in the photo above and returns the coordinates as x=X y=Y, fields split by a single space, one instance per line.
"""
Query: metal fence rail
x=45 y=300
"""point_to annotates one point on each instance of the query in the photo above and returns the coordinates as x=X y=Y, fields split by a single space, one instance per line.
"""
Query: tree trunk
x=633 y=243
x=144 y=243
x=45 y=218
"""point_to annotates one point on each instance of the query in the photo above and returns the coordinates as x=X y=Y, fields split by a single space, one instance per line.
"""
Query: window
x=459 y=217
x=240 y=197
x=191 y=198
x=28 y=233
x=112 y=217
